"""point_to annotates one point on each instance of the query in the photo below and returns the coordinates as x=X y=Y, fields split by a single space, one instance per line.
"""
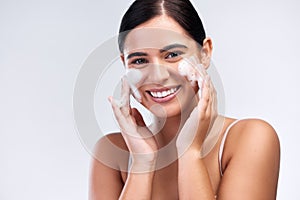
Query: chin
x=169 y=110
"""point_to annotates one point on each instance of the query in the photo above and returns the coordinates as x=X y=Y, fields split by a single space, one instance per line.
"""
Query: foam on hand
x=133 y=77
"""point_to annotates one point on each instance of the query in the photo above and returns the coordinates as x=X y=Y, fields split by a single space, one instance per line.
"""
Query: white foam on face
x=187 y=70
x=134 y=76
x=191 y=72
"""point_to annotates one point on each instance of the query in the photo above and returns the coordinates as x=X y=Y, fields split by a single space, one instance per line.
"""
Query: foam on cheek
x=192 y=73
x=134 y=76
x=185 y=69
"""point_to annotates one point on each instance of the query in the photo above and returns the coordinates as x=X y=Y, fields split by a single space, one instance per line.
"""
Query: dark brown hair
x=182 y=11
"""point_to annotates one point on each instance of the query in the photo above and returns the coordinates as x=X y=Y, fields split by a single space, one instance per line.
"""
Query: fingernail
x=200 y=93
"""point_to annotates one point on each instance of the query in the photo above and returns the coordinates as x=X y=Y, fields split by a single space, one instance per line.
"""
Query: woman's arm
x=253 y=151
x=105 y=179
x=193 y=178
x=253 y=154
x=138 y=186
x=105 y=182
x=109 y=155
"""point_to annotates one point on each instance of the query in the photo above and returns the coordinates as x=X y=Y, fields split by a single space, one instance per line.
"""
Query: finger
x=215 y=99
x=200 y=69
x=212 y=112
x=127 y=124
x=125 y=97
x=205 y=100
x=117 y=111
x=138 y=117
x=213 y=96
x=200 y=86
x=200 y=77
x=206 y=89
x=209 y=109
x=125 y=91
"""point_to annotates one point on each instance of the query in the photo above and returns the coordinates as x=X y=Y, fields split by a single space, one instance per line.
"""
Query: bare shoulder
x=108 y=159
x=112 y=151
x=115 y=139
x=253 y=132
x=251 y=160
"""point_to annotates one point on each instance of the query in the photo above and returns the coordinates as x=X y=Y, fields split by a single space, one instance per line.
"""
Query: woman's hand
x=199 y=124
x=139 y=139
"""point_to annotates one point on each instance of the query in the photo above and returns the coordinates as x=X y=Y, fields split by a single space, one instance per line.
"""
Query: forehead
x=156 y=33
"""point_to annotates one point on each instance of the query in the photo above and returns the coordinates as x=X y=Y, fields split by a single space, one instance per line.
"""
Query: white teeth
x=164 y=93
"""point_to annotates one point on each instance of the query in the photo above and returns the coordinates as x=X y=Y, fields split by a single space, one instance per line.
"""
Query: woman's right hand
x=139 y=139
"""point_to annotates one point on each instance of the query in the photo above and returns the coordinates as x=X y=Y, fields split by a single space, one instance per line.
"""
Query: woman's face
x=156 y=48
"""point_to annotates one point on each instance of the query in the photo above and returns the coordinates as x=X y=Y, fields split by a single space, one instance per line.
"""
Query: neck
x=172 y=126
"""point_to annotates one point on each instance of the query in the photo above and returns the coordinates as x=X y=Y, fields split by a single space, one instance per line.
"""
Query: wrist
x=191 y=154
x=143 y=163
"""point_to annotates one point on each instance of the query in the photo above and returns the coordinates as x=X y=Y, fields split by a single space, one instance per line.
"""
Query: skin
x=251 y=156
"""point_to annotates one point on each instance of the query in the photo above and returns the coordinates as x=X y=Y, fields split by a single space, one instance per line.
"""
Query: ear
x=122 y=58
x=206 y=52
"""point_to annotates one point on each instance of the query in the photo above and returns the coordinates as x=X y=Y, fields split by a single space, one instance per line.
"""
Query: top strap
x=223 y=144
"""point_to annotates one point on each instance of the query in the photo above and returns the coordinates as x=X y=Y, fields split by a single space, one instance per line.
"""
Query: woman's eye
x=173 y=55
x=139 y=61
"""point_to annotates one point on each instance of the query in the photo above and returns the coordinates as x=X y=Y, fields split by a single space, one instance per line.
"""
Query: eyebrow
x=164 y=49
x=172 y=46
x=136 y=54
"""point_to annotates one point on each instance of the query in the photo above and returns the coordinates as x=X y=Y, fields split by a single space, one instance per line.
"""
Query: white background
x=44 y=43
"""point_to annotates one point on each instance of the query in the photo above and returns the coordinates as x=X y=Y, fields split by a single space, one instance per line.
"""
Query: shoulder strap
x=223 y=144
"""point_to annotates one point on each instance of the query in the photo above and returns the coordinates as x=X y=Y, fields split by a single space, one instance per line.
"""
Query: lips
x=161 y=95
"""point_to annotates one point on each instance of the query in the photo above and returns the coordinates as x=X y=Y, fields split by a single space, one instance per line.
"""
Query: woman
x=242 y=164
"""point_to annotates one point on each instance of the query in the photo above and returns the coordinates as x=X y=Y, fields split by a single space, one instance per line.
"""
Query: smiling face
x=156 y=49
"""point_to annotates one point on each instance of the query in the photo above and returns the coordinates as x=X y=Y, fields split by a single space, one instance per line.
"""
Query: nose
x=159 y=72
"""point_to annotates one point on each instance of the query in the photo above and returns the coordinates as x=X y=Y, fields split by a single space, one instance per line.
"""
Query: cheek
x=189 y=92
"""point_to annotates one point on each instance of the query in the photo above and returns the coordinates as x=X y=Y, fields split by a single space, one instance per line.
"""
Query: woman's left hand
x=199 y=123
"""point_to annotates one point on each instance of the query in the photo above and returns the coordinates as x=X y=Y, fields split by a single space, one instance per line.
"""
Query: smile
x=163 y=94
